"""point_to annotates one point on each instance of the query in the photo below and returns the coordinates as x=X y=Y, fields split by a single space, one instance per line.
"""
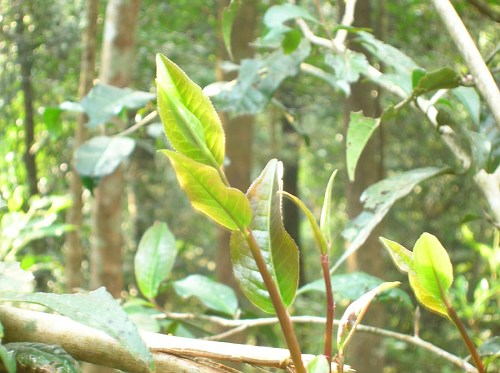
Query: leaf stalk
x=330 y=309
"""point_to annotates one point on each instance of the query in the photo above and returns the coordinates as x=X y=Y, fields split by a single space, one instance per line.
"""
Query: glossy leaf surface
x=277 y=247
x=214 y=295
x=154 y=259
x=191 y=124
x=358 y=133
x=208 y=194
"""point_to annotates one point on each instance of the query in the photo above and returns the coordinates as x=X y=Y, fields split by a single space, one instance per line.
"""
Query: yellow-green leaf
x=208 y=194
x=277 y=247
x=191 y=123
x=325 y=219
x=401 y=256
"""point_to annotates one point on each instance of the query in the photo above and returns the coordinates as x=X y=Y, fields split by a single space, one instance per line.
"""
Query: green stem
x=330 y=309
x=279 y=307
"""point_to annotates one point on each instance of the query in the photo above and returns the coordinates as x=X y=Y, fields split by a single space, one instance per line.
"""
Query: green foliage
x=14 y=279
x=228 y=16
x=424 y=82
x=40 y=357
x=276 y=16
x=7 y=358
x=347 y=68
x=318 y=365
x=215 y=296
x=325 y=222
x=154 y=259
x=277 y=247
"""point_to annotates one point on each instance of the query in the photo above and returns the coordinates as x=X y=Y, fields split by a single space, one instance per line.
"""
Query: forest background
x=51 y=55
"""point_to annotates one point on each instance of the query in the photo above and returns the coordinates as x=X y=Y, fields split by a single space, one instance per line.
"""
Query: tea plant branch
x=466 y=46
x=146 y=120
x=347 y=20
x=330 y=307
x=252 y=323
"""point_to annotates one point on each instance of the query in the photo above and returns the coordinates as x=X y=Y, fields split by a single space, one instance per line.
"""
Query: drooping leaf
x=351 y=286
x=401 y=256
x=191 y=124
x=258 y=80
x=355 y=312
x=277 y=247
x=318 y=365
x=317 y=233
x=325 y=219
x=41 y=357
x=105 y=101
x=227 y=206
x=377 y=200
x=228 y=16
x=347 y=68
x=214 y=295
x=432 y=273
x=471 y=101
x=101 y=155
x=358 y=133
x=276 y=17
x=15 y=279
x=96 y=309
x=154 y=259
x=444 y=78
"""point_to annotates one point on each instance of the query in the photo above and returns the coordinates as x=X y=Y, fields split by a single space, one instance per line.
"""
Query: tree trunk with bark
x=73 y=245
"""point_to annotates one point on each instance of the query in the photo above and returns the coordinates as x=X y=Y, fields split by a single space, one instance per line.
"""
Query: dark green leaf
x=358 y=133
x=41 y=357
x=101 y=155
x=96 y=309
x=416 y=75
x=7 y=360
x=277 y=247
x=228 y=16
x=318 y=365
x=208 y=194
x=105 y=101
x=53 y=122
x=154 y=259
x=15 y=279
x=214 y=295
x=377 y=200
x=291 y=41
x=191 y=124
x=444 y=78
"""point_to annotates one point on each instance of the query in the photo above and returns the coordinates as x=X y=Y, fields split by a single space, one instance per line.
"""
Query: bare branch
x=347 y=20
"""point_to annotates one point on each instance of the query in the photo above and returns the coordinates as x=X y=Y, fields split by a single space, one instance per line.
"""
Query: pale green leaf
x=325 y=222
x=347 y=68
x=7 y=360
x=228 y=15
x=203 y=185
x=154 y=259
x=96 y=309
x=471 y=101
x=14 y=279
x=277 y=247
x=358 y=133
x=401 y=256
x=276 y=16
x=214 y=295
x=355 y=312
x=432 y=272
x=318 y=365
x=101 y=155
x=191 y=124
x=318 y=235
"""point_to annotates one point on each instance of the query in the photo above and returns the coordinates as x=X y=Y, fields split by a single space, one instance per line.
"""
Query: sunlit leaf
x=318 y=365
x=208 y=194
x=358 y=133
x=432 y=273
x=318 y=235
x=191 y=124
x=53 y=122
x=228 y=15
x=277 y=247
x=96 y=309
x=154 y=259
x=101 y=155
x=401 y=256
x=214 y=295
x=41 y=357
x=355 y=312
x=325 y=222
x=105 y=101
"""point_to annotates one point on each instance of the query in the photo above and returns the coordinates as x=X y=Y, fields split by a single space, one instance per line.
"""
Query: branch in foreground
x=171 y=354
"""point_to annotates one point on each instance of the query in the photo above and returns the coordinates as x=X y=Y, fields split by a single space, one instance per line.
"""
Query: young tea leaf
x=359 y=132
x=444 y=78
x=228 y=16
x=216 y=296
x=191 y=124
x=318 y=365
x=401 y=256
x=325 y=219
x=277 y=247
x=227 y=206
x=432 y=273
x=154 y=259
x=355 y=312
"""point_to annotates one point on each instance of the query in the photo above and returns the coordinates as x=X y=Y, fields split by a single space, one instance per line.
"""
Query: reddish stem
x=330 y=308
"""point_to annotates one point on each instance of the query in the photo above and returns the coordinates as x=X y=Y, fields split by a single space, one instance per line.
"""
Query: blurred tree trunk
x=364 y=350
x=74 y=250
x=239 y=131
x=116 y=69
x=25 y=60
